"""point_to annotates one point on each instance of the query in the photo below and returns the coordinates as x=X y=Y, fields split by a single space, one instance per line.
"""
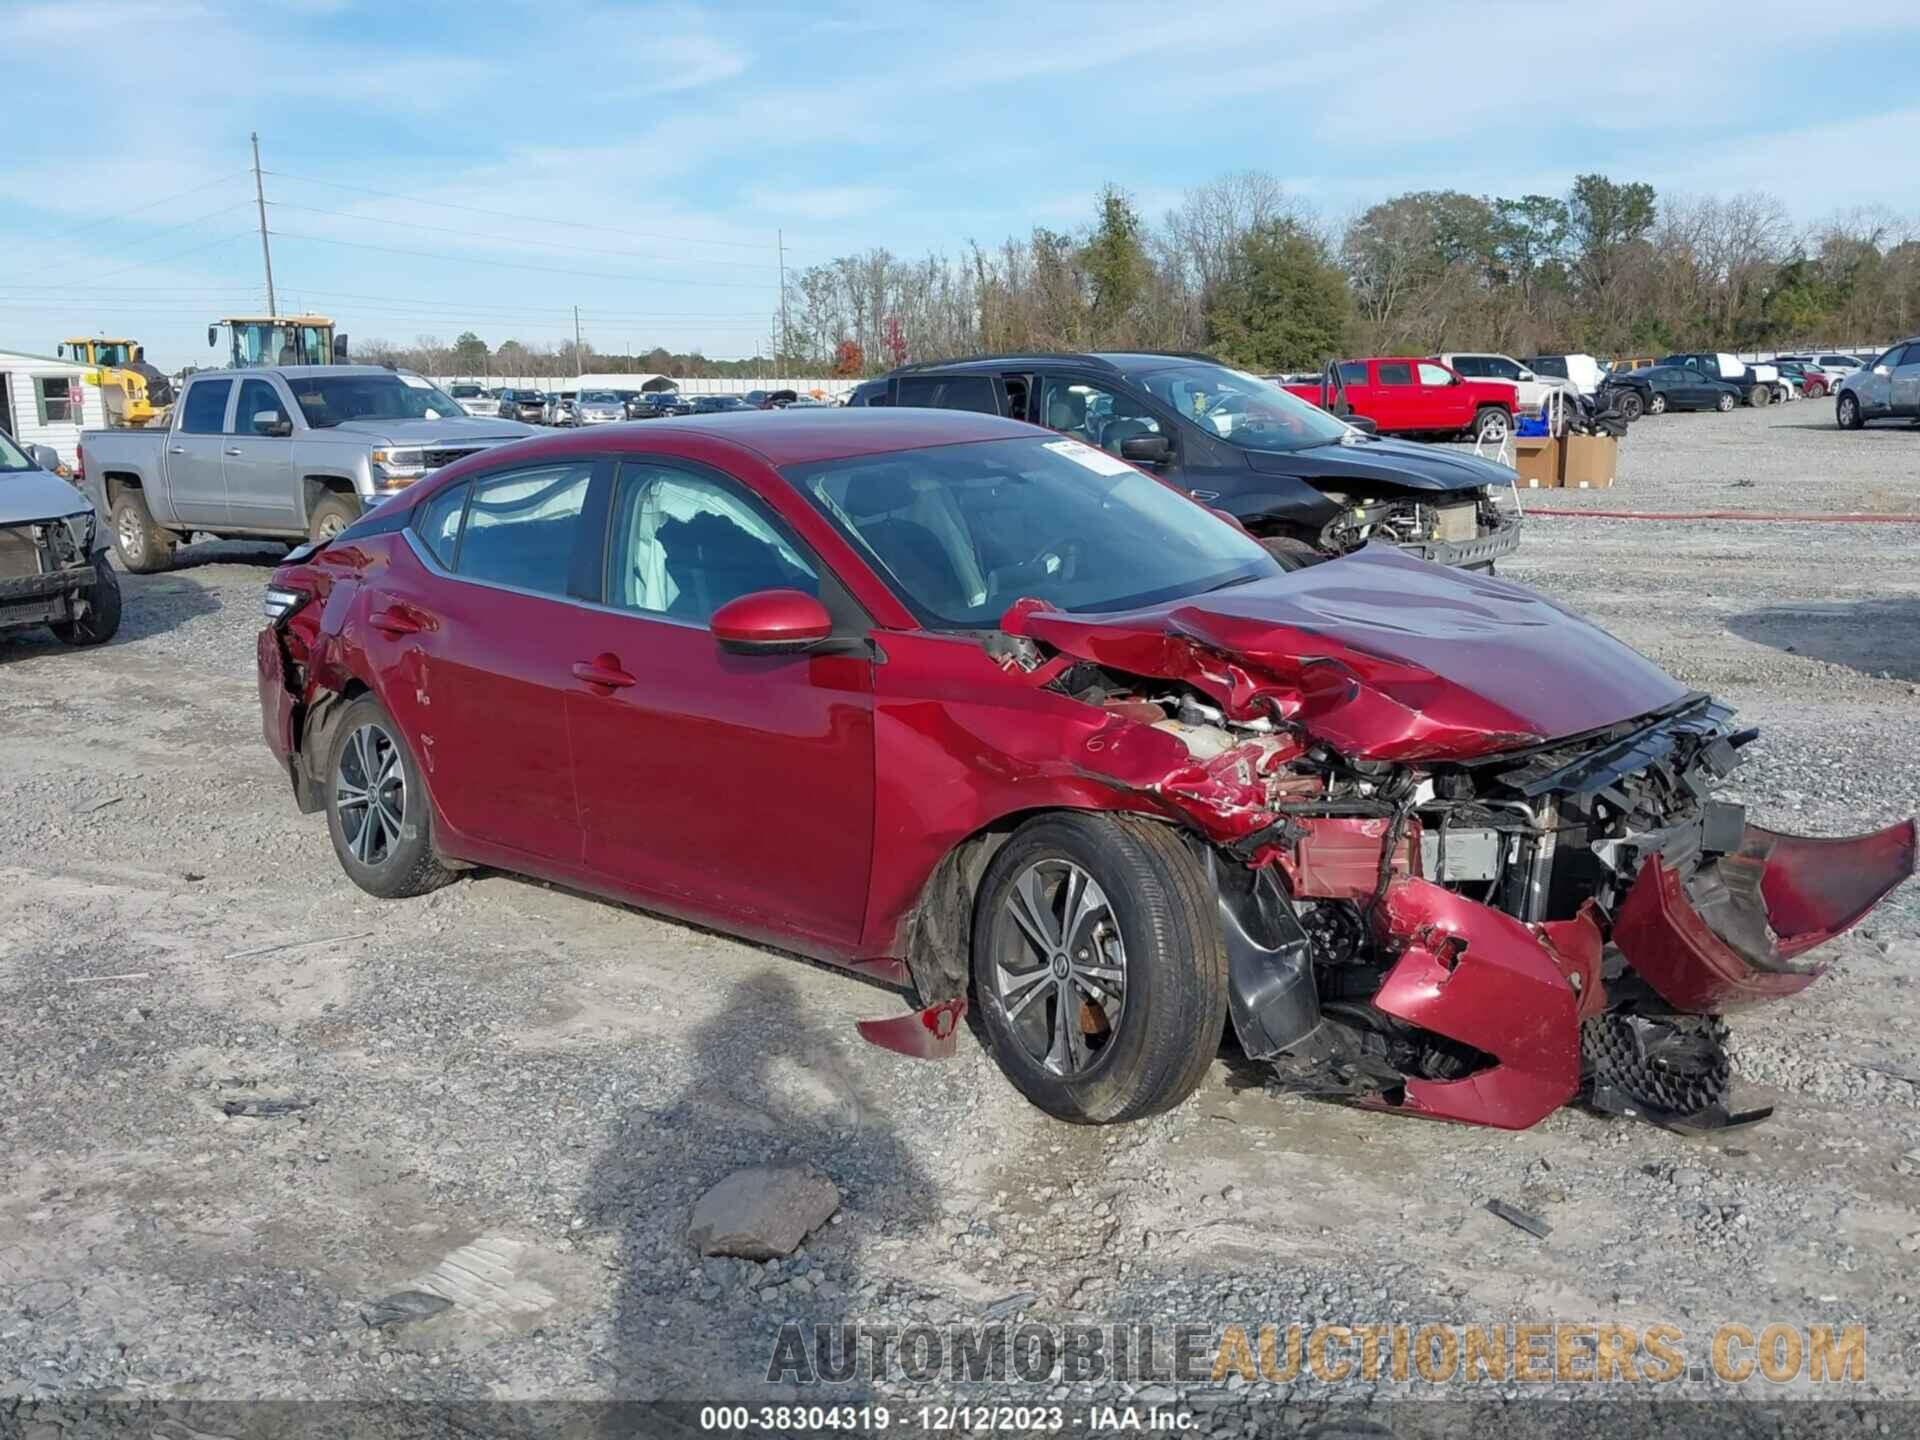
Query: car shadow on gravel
x=764 y=1087
x=1874 y=637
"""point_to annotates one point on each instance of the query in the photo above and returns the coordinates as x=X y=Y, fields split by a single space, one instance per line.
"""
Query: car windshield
x=466 y=392
x=12 y=457
x=329 y=400
x=962 y=531
x=599 y=397
x=1246 y=410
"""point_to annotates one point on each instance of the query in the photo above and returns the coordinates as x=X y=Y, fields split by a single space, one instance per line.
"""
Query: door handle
x=176 y=449
x=395 y=621
x=602 y=670
x=234 y=450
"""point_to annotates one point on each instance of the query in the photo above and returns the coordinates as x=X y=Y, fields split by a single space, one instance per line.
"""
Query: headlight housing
x=394 y=468
x=81 y=528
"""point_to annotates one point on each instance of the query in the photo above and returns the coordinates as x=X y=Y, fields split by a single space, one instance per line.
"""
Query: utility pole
x=579 y=364
x=260 y=198
x=780 y=244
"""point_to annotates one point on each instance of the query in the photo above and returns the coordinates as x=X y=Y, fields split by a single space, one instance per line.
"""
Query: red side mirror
x=771 y=622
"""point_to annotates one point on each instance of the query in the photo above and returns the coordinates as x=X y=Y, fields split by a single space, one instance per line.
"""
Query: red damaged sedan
x=958 y=703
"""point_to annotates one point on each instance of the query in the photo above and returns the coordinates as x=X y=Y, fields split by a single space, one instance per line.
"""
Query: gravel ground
x=534 y=1087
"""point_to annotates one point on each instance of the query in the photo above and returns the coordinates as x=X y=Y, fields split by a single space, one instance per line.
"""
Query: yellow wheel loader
x=133 y=392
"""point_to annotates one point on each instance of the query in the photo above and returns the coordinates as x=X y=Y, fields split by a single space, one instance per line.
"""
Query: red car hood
x=1381 y=656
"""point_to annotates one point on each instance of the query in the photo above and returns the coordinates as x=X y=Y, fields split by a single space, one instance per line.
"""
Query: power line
x=519 y=265
x=510 y=215
x=384 y=220
x=142 y=209
x=147 y=240
x=178 y=254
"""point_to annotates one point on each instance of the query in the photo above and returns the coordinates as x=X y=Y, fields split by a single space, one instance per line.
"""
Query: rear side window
x=521 y=527
x=1396 y=374
x=206 y=407
x=949 y=392
x=438 y=523
x=1353 y=372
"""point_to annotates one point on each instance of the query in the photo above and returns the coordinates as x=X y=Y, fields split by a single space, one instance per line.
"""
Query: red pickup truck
x=1408 y=395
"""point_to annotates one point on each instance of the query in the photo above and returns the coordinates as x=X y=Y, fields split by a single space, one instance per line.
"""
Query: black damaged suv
x=1307 y=483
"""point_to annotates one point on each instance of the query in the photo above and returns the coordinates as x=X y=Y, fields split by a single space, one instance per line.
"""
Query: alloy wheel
x=1657 y=405
x=132 y=537
x=1060 y=973
x=1494 y=426
x=329 y=526
x=370 y=794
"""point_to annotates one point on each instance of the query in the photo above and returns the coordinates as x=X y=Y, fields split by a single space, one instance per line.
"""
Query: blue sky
x=658 y=147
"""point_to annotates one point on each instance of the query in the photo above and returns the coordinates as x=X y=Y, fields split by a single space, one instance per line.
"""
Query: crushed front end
x=1428 y=905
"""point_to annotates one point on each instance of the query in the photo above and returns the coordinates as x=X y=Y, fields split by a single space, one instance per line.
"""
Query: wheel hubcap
x=370 y=794
x=1060 y=968
x=329 y=527
x=129 y=534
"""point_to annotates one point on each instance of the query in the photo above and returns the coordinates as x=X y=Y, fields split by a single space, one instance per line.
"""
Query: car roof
x=826 y=432
x=304 y=372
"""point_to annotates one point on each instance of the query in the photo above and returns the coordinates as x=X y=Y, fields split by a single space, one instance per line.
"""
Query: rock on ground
x=763 y=1213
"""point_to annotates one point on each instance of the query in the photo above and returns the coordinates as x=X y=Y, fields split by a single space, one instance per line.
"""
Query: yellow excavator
x=254 y=340
x=133 y=392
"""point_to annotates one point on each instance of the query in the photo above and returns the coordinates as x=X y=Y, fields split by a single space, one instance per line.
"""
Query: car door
x=475 y=641
x=263 y=493
x=1873 y=384
x=1446 y=403
x=1905 y=388
x=1394 y=395
x=713 y=783
x=195 y=462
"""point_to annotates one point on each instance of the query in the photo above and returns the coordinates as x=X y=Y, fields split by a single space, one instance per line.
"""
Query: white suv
x=1583 y=371
x=1530 y=389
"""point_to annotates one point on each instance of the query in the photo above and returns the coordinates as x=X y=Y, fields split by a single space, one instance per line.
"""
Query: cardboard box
x=1536 y=459
x=1587 y=461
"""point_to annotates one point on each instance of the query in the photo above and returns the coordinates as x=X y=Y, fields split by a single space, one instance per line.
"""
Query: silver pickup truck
x=296 y=452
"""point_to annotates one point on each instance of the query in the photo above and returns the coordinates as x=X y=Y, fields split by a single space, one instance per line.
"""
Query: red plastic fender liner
x=928 y=1034
x=1813 y=890
x=1481 y=977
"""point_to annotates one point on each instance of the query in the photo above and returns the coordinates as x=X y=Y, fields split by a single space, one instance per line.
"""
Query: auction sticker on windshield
x=1089 y=458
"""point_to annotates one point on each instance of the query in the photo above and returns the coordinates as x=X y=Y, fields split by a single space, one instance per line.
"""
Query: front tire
x=1491 y=425
x=102 y=619
x=332 y=515
x=1847 y=412
x=143 y=546
x=378 y=814
x=1098 y=966
x=1725 y=403
x=1632 y=407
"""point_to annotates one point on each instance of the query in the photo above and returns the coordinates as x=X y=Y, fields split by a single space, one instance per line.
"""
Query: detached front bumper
x=38 y=599
x=1730 y=936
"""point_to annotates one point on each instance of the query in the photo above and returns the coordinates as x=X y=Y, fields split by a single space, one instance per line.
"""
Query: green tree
x=470 y=354
x=1116 y=264
x=1284 y=303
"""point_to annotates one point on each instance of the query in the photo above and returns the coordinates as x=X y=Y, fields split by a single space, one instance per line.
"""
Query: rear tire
x=1760 y=396
x=1492 y=425
x=332 y=515
x=1143 y=1023
x=102 y=619
x=1657 y=405
x=1846 y=411
x=143 y=546
x=378 y=813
